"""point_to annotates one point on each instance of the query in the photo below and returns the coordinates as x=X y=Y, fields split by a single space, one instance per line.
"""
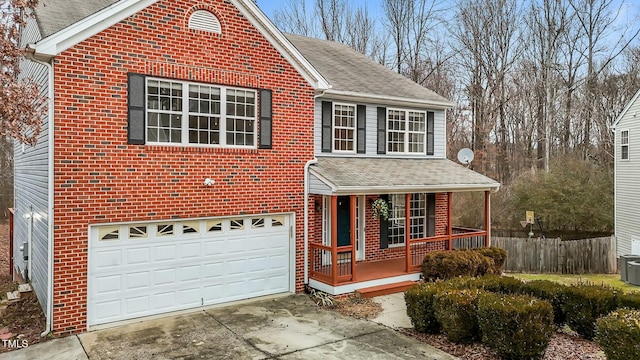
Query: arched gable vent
x=204 y=20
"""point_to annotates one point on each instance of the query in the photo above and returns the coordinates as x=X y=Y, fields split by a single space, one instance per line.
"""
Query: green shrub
x=419 y=299
x=551 y=291
x=618 y=334
x=455 y=310
x=445 y=264
x=584 y=304
x=498 y=257
x=515 y=326
x=629 y=300
x=497 y=283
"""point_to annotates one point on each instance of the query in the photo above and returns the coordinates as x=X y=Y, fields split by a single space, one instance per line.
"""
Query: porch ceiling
x=388 y=175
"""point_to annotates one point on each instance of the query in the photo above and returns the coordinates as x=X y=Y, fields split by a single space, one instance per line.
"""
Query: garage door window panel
x=138 y=232
x=165 y=230
x=214 y=226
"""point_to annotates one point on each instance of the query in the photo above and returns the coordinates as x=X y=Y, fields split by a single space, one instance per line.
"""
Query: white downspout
x=306 y=218
x=50 y=114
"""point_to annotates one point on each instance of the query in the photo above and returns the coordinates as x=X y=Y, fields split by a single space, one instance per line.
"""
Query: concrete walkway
x=394 y=311
x=289 y=327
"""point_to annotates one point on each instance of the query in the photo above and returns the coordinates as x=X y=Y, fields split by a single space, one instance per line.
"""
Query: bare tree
x=597 y=22
x=21 y=103
x=487 y=32
x=295 y=18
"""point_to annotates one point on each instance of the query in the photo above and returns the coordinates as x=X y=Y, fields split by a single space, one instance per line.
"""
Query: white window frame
x=407 y=132
x=184 y=114
x=397 y=214
x=624 y=144
x=354 y=140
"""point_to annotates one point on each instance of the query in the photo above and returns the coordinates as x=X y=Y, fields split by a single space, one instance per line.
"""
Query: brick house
x=181 y=141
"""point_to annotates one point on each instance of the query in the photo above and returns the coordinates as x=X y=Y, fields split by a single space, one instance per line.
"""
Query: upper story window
x=406 y=131
x=344 y=128
x=191 y=113
x=624 y=145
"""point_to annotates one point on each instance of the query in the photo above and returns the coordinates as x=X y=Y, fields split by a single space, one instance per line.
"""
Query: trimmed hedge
x=420 y=300
x=584 y=304
x=551 y=291
x=498 y=257
x=618 y=334
x=456 y=310
x=515 y=326
x=443 y=264
x=630 y=300
x=497 y=283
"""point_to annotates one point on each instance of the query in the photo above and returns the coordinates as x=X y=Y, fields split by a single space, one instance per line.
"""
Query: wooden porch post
x=487 y=218
x=334 y=238
x=407 y=230
x=449 y=222
x=352 y=235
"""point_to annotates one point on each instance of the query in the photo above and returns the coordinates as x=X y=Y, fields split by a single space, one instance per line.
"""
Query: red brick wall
x=101 y=179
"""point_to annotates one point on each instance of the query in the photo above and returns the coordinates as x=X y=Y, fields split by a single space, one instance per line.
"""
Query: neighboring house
x=195 y=155
x=627 y=176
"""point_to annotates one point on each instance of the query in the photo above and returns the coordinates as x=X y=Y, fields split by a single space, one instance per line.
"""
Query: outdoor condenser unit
x=624 y=260
x=633 y=272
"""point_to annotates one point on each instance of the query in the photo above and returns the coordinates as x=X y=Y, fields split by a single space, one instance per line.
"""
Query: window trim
x=424 y=217
x=406 y=132
x=354 y=128
x=624 y=145
x=184 y=142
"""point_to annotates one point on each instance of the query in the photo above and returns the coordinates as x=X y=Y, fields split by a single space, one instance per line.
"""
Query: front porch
x=339 y=269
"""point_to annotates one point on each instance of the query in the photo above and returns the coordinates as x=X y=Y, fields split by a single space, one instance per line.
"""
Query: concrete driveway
x=289 y=327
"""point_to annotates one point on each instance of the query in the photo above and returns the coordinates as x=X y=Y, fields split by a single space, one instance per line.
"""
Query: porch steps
x=385 y=289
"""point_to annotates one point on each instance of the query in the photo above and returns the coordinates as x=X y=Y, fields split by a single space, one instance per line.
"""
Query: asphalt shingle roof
x=55 y=15
x=348 y=70
x=393 y=175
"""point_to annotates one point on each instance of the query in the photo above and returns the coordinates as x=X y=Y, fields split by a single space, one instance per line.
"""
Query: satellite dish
x=465 y=156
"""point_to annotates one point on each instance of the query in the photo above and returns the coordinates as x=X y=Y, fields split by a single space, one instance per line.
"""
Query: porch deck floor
x=373 y=270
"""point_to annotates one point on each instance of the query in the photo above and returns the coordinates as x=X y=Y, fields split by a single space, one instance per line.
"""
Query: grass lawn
x=612 y=280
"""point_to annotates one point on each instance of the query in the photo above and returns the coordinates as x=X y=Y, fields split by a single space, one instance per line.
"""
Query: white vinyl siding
x=627 y=178
x=31 y=179
x=372 y=137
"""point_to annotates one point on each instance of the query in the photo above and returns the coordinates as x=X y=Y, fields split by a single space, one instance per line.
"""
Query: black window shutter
x=362 y=126
x=136 y=99
x=327 y=117
x=431 y=214
x=265 y=119
x=430 y=125
x=384 y=227
x=382 y=130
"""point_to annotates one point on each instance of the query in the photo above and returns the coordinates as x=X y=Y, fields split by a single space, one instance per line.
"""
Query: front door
x=344 y=223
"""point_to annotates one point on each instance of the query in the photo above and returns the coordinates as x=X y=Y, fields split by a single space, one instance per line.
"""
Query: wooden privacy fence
x=587 y=256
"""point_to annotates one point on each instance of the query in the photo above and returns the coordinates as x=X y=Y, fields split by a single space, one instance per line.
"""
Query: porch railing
x=323 y=268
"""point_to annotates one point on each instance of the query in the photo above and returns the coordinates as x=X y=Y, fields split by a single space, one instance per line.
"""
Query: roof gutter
x=30 y=54
x=387 y=100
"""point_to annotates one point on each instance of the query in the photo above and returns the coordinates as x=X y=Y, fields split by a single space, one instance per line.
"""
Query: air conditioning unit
x=633 y=272
x=624 y=261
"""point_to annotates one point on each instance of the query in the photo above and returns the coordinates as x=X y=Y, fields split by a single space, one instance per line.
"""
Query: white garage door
x=150 y=268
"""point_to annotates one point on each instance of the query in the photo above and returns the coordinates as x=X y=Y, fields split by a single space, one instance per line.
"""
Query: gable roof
x=625 y=110
x=351 y=73
x=65 y=23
